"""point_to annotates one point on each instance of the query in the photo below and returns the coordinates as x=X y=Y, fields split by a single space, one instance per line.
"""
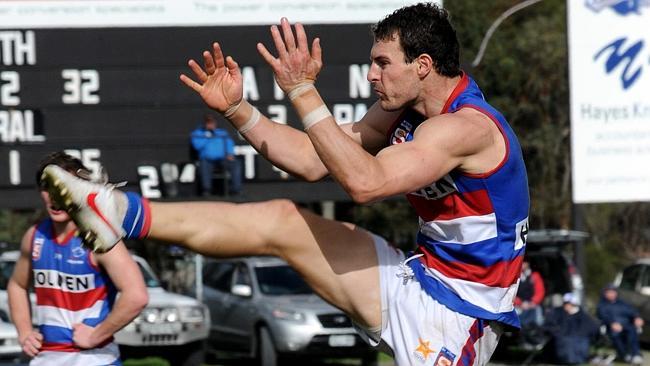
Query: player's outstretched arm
x=219 y=83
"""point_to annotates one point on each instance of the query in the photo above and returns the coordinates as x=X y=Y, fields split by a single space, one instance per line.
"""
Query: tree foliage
x=524 y=74
x=13 y=224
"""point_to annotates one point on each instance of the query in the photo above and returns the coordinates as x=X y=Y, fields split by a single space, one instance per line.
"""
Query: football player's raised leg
x=337 y=259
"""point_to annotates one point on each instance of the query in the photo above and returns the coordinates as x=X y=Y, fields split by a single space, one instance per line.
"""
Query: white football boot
x=97 y=209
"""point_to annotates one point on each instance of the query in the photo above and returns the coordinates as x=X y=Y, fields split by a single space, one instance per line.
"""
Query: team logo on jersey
x=78 y=252
x=37 y=248
x=621 y=7
x=442 y=188
x=402 y=133
x=423 y=351
x=445 y=358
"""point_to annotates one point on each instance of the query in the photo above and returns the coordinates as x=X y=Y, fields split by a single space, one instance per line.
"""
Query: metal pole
x=198 y=276
x=494 y=26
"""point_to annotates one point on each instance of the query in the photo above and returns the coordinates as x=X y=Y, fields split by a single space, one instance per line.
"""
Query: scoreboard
x=112 y=96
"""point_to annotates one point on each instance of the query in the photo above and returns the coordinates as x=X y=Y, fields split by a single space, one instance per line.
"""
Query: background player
x=76 y=308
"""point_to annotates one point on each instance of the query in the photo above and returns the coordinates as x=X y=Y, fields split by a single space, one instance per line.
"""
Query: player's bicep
x=437 y=148
x=121 y=268
x=22 y=270
x=370 y=131
x=411 y=166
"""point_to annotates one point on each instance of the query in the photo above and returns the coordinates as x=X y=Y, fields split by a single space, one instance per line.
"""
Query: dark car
x=261 y=308
x=554 y=254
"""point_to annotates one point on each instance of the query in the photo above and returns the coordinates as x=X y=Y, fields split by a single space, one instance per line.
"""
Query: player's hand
x=638 y=322
x=295 y=64
x=616 y=327
x=218 y=82
x=82 y=336
x=31 y=343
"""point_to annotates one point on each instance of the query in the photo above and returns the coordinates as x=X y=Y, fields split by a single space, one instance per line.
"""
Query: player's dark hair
x=63 y=160
x=423 y=28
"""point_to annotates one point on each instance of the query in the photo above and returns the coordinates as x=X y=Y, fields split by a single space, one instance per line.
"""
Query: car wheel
x=369 y=360
x=267 y=354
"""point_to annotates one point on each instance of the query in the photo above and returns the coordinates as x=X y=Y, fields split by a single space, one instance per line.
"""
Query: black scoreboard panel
x=113 y=97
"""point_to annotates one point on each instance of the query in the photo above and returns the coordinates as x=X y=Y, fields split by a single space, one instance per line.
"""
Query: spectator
x=215 y=149
x=622 y=321
x=571 y=330
x=529 y=297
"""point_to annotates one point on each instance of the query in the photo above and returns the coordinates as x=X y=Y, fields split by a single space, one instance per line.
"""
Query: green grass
x=147 y=361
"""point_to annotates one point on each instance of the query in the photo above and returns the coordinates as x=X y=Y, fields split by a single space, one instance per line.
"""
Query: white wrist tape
x=252 y=121
x=232 y=109
x=299 y=90
x=315 y=116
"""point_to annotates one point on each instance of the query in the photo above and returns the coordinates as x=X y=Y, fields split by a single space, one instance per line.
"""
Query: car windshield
x=281 y=280
x=6 y=269
x=149 y=278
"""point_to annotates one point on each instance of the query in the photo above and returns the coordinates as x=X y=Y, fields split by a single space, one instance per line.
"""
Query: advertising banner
x=609 y=53
x=156 y=13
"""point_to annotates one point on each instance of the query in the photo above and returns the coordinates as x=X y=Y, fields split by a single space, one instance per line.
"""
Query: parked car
x=555 y=255
x=10 y=349
x=7 y=262
x=171 y=326
x=633 y=284
x=261 y=308
x=552 y=253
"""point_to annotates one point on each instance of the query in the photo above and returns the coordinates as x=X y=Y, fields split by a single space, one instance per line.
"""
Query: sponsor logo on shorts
x=445 y=358
x=423 y=351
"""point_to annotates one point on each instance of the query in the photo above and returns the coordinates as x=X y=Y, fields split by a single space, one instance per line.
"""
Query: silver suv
x=261 y=308
x=10 y=349
x=171 y=326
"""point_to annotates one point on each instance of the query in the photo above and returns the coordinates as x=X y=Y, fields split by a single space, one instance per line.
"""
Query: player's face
x=394 y=81
x=56 y=214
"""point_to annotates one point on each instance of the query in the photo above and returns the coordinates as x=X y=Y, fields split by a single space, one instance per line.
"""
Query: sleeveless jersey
x=69 y=289
x=472 y=226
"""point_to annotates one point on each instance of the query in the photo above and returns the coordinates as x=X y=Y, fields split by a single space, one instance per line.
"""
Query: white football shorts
x=418 y=330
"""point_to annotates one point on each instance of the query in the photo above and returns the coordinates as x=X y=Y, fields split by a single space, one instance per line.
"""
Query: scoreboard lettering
x=111 y=96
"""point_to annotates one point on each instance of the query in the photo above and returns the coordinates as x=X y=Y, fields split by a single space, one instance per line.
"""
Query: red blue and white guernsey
x=473 y=227
x=69 y=289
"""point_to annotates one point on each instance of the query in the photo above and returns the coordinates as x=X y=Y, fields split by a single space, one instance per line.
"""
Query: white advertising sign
x=154 y=13
x=609 y=60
